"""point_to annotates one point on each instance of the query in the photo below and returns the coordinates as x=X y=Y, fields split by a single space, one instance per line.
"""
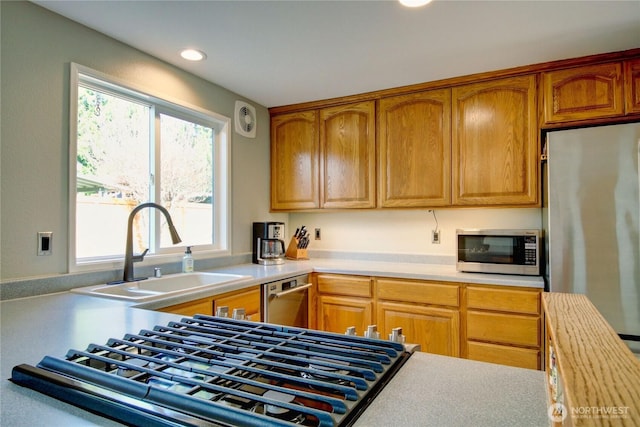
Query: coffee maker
x=268 y=246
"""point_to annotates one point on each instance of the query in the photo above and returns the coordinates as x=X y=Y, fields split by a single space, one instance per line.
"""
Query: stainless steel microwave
x=499 y=251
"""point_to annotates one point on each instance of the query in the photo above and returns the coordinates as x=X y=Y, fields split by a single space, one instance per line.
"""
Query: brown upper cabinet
x=495 y=143
x=295 y=155
x=348 y=156
x=459 y=142
x=632 y=86
x=324 y=158
x=414 y=138
x=582 y=93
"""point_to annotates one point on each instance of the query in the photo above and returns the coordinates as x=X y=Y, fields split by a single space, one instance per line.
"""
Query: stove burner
x=126 y=371
x=278 y=411
x=223 y=371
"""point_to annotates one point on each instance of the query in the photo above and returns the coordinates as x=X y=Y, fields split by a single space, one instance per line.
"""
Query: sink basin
x=155 y=288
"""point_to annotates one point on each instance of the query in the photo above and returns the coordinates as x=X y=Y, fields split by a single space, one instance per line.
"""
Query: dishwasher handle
x=290 y=291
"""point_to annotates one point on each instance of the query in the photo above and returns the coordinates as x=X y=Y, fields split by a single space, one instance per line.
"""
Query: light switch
x=45 y=243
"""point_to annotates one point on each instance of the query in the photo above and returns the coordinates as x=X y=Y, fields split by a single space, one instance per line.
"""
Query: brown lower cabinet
x=497 y=324
x=435 y=329
x=249 y=299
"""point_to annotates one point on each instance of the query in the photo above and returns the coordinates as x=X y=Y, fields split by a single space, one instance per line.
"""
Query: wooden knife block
x=295 y=253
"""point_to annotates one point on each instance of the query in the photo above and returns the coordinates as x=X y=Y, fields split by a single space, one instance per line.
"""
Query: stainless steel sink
x=156 y=288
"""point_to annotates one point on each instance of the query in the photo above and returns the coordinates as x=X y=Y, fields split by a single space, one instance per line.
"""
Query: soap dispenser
x=187 y=261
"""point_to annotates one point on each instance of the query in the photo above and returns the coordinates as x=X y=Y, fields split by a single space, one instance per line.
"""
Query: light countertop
x=439 y=391
x=54 y=323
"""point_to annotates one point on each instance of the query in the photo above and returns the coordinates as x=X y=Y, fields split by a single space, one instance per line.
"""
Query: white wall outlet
x=318 y=235
x=45 y=243
x=435 y=237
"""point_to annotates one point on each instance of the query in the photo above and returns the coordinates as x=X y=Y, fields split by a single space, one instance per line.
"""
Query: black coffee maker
x=268 y=246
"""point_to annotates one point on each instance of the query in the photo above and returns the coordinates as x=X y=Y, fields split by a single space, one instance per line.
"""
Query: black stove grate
x=216 y=371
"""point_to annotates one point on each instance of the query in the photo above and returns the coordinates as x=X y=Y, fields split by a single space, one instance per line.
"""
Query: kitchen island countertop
x=449 y=391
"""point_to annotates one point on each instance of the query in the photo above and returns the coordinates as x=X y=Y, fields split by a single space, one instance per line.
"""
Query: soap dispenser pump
x=187 y=261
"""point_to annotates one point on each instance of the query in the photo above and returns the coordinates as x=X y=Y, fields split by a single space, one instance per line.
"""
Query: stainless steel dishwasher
x=285 y=302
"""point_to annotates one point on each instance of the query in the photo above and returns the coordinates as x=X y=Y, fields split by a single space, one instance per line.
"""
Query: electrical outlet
x=318 y=235
x=45 y=243
x=435 y=236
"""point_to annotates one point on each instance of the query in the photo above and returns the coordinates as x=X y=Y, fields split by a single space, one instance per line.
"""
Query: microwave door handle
x=292 y=290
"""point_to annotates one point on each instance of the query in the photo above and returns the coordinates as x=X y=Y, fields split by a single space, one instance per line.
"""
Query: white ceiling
x=284 y=52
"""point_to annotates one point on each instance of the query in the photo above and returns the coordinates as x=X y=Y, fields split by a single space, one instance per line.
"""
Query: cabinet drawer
x=504 y=355
x=418 y=292
x=503 y=328
x=191 y=308
x=511 y=300
x=247 y=299
x=357 y=286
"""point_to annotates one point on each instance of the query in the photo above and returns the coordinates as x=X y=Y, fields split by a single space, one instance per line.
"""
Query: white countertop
x=432 y=390
x=52 y=324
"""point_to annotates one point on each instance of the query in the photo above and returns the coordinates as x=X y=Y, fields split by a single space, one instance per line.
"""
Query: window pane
x=186 y=180
x=112 y=173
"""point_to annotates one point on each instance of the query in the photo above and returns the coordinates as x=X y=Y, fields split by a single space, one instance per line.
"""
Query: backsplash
x=405 y=231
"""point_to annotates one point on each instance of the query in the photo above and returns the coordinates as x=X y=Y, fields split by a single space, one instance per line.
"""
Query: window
x=129 y=147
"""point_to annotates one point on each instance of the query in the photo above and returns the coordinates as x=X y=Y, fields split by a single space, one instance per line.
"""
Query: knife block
x=295 y=253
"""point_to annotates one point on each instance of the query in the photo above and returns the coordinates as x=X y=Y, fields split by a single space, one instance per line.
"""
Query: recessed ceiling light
x=414 y=3
x=193 y=55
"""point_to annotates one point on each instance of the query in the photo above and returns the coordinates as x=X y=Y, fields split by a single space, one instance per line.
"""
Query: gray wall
x=37 y=47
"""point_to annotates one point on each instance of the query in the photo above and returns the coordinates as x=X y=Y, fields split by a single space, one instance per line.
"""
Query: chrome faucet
x=129 y=257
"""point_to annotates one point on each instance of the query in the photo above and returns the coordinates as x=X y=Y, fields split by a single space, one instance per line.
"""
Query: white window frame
x=221 y=169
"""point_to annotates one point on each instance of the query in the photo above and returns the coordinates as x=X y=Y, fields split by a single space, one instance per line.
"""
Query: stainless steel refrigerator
x=591 y=215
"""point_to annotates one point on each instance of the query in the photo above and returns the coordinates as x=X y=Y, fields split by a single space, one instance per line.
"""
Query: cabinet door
x=632 y=86
x=583 y=93
x=295 y=161
x=336 y=314
x=249 y=299
x=348 y=155
x=495 y=143
x=437 y=330
x=191 y=308
x=415 y=150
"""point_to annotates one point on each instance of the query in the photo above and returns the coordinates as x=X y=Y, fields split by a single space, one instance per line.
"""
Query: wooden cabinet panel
x=511 y=300
x=191 y=308
x=504 y=355
x=249 y=299
x=418 y=291
x=295 y=161
x=348 y=153
x=336 y=313
x=632 y=86
x=583 y=93
x=359 y=286
x=437 y=330
x=503 y=328
x=495 y=143
x=415 y=149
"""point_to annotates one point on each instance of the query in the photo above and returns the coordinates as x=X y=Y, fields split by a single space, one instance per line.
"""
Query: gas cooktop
x=216 y=371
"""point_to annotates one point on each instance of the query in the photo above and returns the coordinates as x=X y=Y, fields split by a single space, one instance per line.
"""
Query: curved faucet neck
x=129 y=258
